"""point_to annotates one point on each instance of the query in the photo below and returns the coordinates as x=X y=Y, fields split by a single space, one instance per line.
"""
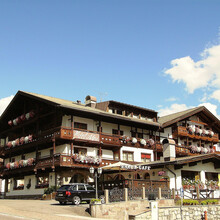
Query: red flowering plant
x=161 y=173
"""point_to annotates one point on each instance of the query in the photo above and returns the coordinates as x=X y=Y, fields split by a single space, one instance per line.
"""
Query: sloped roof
x=80 y=107
x=175 y=117
x=129 y=105
x=184 y=160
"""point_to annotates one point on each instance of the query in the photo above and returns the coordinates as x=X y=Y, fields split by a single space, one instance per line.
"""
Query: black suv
x=77 y=192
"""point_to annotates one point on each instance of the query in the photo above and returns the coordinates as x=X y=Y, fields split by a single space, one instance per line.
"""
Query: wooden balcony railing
x=86 y=135
x=182 y=131
x=66 y=133
x=110 y=139
x=48 y=161
x=182 y=151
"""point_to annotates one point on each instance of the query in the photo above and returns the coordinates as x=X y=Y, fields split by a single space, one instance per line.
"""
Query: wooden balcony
x=108 y=139
x=64 y=160
x=182 y=132
x=182 y=151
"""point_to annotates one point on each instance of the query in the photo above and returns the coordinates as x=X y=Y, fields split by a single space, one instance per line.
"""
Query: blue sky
x=163 y=55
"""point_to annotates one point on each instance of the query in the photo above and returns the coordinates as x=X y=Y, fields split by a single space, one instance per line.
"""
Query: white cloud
x=172 y=109
x=4 y=103
x=216 y=95
x=171 y=99
x=181 y=107
x=211 y=107
x=195 y=75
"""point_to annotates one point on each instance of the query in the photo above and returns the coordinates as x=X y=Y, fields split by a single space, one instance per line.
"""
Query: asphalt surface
x=41 y=210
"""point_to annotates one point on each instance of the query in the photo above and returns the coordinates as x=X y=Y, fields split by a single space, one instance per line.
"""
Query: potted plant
x=95 y=202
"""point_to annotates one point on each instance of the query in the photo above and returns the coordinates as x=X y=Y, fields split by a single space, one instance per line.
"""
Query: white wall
x=107 y=154
x=137 y=152
x=25 y=191
x=91 y=124
x=66 y=121
x=167 y=133
x=63 y=149
x=107 y=127
x=200 y=167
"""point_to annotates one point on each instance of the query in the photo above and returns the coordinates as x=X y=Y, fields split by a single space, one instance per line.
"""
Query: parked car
x=77 y=192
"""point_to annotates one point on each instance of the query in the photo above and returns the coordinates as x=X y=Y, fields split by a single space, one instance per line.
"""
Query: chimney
x=90 y=101
x=169 y=150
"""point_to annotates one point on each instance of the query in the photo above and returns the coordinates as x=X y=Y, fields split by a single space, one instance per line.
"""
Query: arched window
x=78 y=178
x=119 y=177
x=146 y=176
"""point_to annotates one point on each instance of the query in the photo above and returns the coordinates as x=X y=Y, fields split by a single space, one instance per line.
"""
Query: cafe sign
x=135 y=167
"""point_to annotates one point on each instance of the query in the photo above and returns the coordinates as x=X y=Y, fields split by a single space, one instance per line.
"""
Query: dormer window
x=119 y=112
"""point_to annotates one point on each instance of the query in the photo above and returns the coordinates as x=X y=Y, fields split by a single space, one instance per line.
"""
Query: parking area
x=41 y=209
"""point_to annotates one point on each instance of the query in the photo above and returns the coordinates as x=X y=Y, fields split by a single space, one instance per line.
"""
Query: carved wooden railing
x=48 y=161
x=182 y=131
x=182 y=151
x=110 y=139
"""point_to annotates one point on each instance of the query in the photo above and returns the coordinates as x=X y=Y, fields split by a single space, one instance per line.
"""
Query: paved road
x=41 y=210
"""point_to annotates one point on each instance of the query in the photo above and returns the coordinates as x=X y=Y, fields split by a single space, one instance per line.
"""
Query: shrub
x=49 y=190
x=93 y=201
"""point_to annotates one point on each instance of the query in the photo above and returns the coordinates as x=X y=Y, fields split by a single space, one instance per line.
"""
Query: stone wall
x=188 y=213
x=122 y=210
x=139 y=210
x=118 y=210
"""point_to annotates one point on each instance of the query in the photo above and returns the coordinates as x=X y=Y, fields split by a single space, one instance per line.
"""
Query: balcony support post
x=118 y=129
x=54 y=149
x=71 y=149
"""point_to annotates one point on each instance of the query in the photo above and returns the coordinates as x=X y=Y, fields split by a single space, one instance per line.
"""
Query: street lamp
x=97 y=174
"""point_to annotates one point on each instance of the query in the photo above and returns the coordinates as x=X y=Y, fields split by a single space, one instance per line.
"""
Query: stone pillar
x=202 y=176
x=126 y=194
x=52 y=179
x=197 y=192
x=173 y=193
x=143 y=192
x=159 y=193
x=154 y=210
x=106 y=196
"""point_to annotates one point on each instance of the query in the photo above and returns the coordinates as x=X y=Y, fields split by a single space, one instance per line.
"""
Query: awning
x=115 y=166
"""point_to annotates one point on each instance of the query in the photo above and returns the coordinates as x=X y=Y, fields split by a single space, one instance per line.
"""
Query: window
x=73 y=187
x=140 y=135
x=90 y=188
x=119 y=112
x=128 y=156
x=81 y=187
x=115 y=131
x=81 y=151
x=80 y=125
x=43 y=180
x=133 y=134
x=145 y=158
x=18 y=184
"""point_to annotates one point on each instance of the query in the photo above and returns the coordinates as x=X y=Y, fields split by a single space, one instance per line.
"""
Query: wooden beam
x=178 y=166
x=207 y=161
x=192 y=164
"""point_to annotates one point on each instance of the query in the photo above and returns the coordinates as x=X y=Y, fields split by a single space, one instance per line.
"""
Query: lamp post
x=97 y=174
